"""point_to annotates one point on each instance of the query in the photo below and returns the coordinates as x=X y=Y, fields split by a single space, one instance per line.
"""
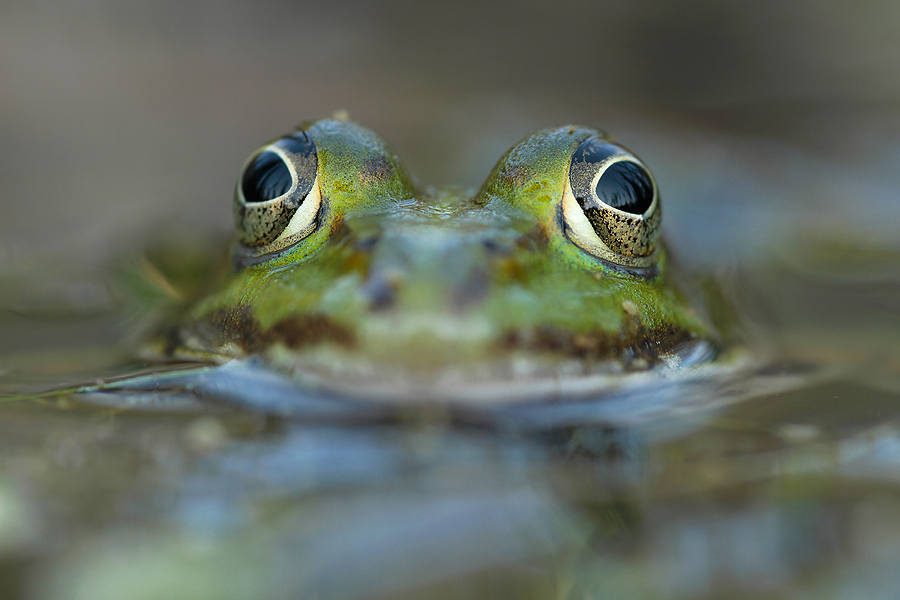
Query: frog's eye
x=277 y=200
x=611 y=204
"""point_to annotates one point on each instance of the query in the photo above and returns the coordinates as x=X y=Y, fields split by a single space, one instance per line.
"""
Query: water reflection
x=767 y=495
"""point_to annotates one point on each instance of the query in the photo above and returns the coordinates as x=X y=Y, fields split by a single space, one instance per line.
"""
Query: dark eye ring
x=276 y=199
x=611 y=204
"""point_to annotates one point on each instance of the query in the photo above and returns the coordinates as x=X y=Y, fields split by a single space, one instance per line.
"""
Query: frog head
x=347 y=275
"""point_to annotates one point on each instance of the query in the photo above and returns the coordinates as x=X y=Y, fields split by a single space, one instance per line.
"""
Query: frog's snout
x=422 y=269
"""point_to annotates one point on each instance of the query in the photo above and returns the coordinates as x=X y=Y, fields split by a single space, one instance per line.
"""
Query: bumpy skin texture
x=394 y=280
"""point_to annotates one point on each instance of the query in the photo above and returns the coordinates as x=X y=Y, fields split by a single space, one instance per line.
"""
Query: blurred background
x=773 y=129
x=119 y=116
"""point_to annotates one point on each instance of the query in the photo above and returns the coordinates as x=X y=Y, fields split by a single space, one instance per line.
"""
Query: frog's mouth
x=524 y=396
x=517 y=376
x=434 y=357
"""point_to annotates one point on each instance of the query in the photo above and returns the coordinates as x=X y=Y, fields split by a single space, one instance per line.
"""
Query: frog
x=348 y=279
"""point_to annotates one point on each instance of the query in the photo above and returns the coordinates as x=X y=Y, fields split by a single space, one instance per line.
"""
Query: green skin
x=398 y=285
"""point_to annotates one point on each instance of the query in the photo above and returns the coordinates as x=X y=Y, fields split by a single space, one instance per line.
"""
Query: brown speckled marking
x=261 y=223
x=514 y=173
x=238 y=326
x=635 y=346
x=375 y=170
x=581 y=174
x=298 y=331
x=630 y=235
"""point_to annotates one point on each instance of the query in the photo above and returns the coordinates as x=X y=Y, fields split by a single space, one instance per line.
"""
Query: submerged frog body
x=549 y=281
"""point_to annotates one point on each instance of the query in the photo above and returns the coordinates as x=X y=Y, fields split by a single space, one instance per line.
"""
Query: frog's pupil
x=266 y=177
x=625 y=185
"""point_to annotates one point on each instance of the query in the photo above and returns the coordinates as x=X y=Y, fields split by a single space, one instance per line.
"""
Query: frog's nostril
x=367 y=244
x=381 y=288
x=495 y=248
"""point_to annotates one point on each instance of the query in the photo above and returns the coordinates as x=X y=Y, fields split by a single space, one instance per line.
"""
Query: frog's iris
x=619 y=214
x=276 y=181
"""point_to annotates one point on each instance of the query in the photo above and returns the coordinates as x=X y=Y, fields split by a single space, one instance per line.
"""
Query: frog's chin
x=514 y=378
